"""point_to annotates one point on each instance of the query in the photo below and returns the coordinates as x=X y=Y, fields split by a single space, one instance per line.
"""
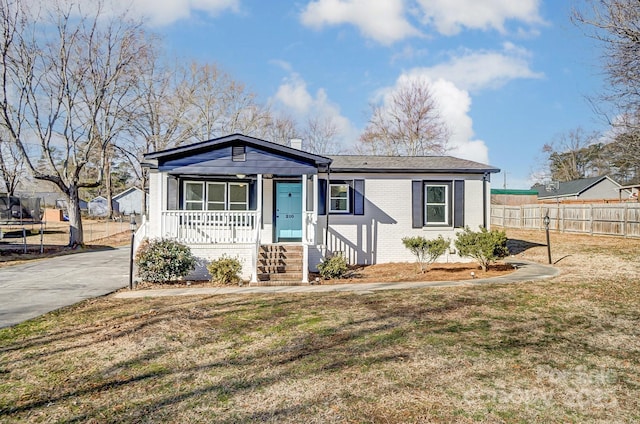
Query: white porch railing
x=141 y=233
x=210 y=227
x=309 y=222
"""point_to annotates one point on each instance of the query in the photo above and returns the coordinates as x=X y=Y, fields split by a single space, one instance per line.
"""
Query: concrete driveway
x=37 y=287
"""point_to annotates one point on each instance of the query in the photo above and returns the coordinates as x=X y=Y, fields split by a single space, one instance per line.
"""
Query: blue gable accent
x=219 y=161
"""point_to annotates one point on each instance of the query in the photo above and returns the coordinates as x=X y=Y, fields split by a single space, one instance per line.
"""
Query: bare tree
x=573 y=155
x=616 y=25
x=11 y=166
x=66 y=76
x=320 y=135
x=157 y=115
x=408 y=124
x=217 y=104
x=280 y=129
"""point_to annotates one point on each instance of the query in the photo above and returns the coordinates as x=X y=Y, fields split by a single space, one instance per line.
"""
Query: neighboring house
x=98 y=207
x=62 y=204
x=272 y=205
x=130 y=201
x=596 y=188
x=629 y=193
x=513 y=197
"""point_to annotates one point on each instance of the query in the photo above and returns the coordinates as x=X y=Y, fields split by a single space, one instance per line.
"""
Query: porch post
x=305 y=236
x=258 y=224
x=304 y=208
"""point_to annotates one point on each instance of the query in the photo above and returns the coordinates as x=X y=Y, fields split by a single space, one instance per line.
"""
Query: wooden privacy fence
x=616 y=219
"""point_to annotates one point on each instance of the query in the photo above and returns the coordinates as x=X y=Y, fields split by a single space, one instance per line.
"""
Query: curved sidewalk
x=526 y=271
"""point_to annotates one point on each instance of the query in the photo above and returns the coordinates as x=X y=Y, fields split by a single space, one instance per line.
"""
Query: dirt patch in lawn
x=400 y=272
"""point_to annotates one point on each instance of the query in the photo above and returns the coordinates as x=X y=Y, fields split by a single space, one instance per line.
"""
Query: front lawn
x=563 y=350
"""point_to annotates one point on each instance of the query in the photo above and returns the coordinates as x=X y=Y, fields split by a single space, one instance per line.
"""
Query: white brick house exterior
x=236 y=193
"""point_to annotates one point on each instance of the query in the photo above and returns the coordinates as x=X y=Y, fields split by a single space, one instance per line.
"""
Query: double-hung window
x=436 y=204
x=339 y=198
x=216 y=196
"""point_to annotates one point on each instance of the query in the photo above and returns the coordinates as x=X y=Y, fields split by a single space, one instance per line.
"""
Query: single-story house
x=64 y=206
x=130 y=201
x=98 y=206
x=595 y=188
x=281 y=210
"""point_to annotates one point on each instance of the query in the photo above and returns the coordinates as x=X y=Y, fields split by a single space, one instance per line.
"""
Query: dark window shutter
x=253 y=195
x=458 y=213
x=358 y=197
x=172 y=193
x=322 y=196
x=417 y=216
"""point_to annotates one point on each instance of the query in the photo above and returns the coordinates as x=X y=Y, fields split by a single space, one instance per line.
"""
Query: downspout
x=485 y=177
x=326 y=209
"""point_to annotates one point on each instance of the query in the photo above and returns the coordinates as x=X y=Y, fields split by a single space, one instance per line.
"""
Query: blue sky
x=508 y=75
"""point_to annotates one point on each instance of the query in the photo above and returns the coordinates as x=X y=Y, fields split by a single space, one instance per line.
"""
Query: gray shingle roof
x=357 y=163
x=568 y=188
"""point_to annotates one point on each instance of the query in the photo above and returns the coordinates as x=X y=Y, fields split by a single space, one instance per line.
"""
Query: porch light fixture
x=241 y=176
x=132 y=227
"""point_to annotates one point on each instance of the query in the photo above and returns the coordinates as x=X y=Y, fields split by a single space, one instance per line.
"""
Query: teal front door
x=288 y=211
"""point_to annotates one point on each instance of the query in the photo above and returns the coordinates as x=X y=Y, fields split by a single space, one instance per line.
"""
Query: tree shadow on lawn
x=517 y=246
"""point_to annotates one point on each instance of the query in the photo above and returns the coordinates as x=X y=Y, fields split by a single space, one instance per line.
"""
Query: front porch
x=285 y=217
x=235 y=194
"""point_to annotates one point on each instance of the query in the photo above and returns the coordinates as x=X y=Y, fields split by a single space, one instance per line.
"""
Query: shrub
x=426 y=251
x=334 y=266
x=163 y=260
x=484 y=246
x=225 y=270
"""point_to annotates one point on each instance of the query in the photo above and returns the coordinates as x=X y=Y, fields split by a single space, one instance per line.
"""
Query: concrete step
x=281 y=268
x=283 y=276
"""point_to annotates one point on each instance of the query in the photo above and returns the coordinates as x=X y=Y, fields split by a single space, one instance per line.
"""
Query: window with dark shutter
x=417 y=217
x=458 y=204
x=358 y=197
x=322 y=196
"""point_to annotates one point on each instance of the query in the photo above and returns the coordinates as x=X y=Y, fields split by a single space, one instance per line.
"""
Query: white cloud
x=387 y=22
x=294 y=96
x=452 y=81
x=477 y=70
x=164 y=12
x=382 y=21
x=451 y=16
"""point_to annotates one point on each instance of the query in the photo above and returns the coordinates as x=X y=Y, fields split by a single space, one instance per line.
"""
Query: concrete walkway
x=37 y=287
x=526 y=271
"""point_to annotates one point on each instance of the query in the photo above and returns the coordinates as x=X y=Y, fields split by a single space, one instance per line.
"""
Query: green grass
x=564 y=350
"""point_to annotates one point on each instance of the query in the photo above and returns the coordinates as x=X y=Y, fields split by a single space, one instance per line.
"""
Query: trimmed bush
x=426 y=251
x=484 y=246
x=334 y=266
x=163 y=260
x=225 y=270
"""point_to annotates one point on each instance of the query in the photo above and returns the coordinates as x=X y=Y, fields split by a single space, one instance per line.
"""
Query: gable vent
x=238 y=154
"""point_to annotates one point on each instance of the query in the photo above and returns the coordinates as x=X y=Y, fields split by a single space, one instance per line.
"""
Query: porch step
x=279 y=264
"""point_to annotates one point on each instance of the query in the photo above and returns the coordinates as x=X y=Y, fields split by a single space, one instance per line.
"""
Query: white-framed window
x=339 y=198
x=193 y=196
x=238 y=198
x=216 y=196
x=436 y=203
